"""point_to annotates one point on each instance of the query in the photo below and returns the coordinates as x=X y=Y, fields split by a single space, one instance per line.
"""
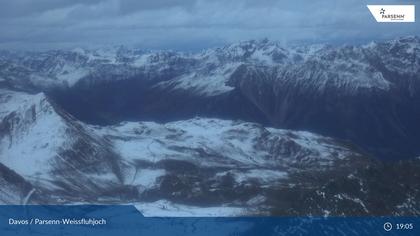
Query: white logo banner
x=393 y=13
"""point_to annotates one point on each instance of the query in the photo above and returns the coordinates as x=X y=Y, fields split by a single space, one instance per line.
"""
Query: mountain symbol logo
x=382 y=11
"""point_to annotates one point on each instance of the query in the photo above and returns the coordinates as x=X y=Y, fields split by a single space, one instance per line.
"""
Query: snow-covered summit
x=345 y=67
x=44 y=144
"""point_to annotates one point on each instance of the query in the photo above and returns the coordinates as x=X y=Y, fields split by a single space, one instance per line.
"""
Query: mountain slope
x=198 y=166
x=50 y=149
x=366 y=94
x=249 y=169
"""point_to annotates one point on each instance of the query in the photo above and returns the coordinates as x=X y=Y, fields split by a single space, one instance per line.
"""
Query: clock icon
x=387 y=226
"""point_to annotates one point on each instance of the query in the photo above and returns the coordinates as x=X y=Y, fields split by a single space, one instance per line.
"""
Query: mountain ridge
x=251 y=126
x=197 y=165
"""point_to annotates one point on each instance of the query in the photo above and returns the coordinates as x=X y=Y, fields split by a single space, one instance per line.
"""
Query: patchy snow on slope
x=163 y=208
x=205 y=141
x=108 y=55
x=264 y=176
x=353 y=74
x=71 y=75
x=11 y=101
x=323 y=149
x=206 y=83
x=214 y=142
x=142 y=60
x=261 y=56
x=147 y=177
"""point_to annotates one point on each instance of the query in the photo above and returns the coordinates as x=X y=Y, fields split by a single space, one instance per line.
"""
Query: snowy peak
x=349 y=69
x=401 y=56
x=44 y=144
x=257 y=51
x=346 y=67
x=20 y=103
x=32 y=130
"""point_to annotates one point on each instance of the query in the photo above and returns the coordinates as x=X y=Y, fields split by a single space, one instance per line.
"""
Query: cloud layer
x=188 y=24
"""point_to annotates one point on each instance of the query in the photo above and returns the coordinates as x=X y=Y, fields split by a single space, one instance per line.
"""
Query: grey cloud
x=129 y=6
x=20 y=8
x=188 y=24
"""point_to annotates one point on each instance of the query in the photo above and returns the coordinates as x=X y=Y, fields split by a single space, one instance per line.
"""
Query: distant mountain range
x=250 y=128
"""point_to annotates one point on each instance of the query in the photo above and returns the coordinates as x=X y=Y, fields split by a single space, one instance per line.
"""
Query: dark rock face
x=14 y=188
x=133 y=99
x=359 y=188
x=383 y=122
x=380 y=112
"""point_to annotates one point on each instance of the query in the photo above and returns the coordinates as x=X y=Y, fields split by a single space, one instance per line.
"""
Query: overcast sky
x=190 y=24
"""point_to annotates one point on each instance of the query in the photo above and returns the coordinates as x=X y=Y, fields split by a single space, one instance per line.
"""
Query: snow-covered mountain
x=59 y=154
x=250 y=128
x=367 y=94
x=200 y=166
x=51 y=149
x=317 y=66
